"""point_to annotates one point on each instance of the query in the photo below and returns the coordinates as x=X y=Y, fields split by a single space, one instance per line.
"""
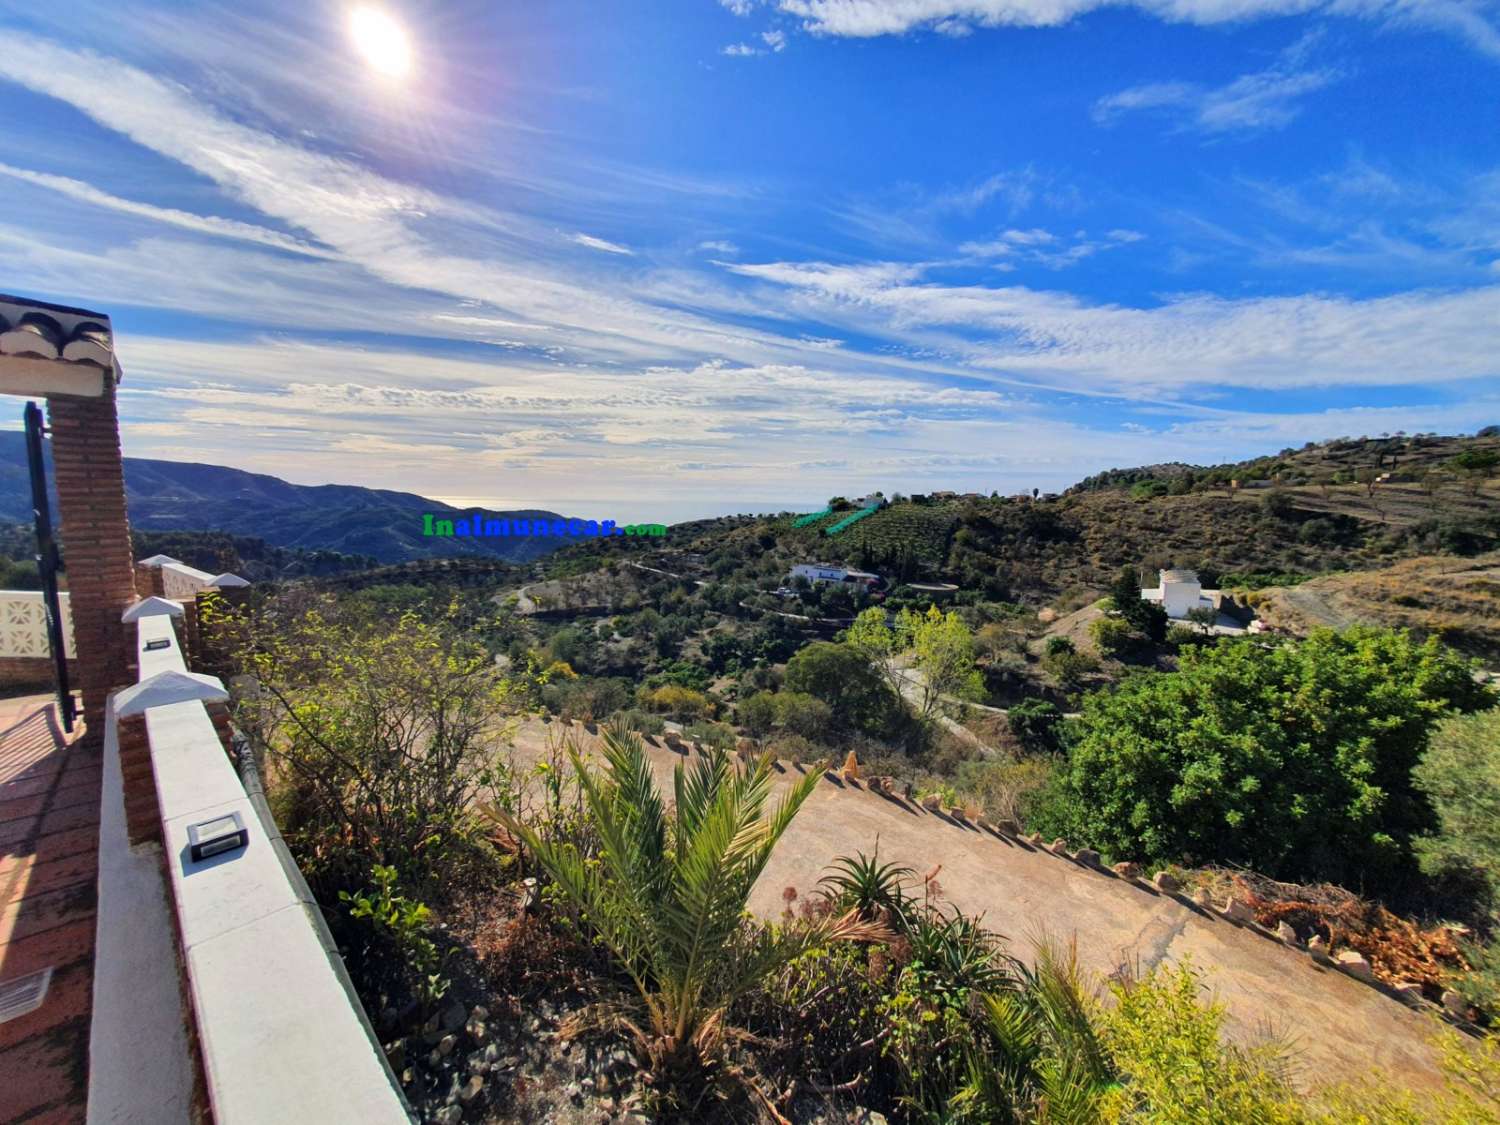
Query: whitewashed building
x=823 y=572
x=1178 y=591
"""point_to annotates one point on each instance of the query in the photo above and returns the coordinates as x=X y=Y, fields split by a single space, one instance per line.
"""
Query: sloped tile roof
x=56 y=332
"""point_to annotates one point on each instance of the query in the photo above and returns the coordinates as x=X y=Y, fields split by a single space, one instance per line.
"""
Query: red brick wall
x=30 y=671
x=95 y=536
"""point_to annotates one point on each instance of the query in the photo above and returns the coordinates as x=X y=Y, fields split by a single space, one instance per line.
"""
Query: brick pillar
x=96 y=545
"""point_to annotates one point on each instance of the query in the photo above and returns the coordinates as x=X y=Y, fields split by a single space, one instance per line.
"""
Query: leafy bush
x=757 y=713
x=381 y=733
x=679 y=702
x=1294 y=760
x=843 y=678
x=1069 y=667
x=391 y=940
x=642 y=721
x=1058 y=646
x=803 y=714
x=1111 y=635
x=1174 y=1065
x=1460 y=773
x=1035 y=723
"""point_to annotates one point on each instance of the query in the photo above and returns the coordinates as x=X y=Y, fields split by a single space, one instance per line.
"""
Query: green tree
x=1125 y=590
x=943 y=653
x=667 y=894
x=1460 y=773
x=1295 y=760
x=843 y=678
x=1035 y=722
x=1477 y=465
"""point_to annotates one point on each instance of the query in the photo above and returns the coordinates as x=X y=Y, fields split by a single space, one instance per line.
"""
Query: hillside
x=1455 y=599
x=1408 y=458
x=1068 y=548
x=349 y=519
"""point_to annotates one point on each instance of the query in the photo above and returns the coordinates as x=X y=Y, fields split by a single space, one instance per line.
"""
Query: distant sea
x=638 y=509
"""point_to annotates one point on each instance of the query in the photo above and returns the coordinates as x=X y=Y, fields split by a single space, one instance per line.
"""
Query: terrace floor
x=49 y=836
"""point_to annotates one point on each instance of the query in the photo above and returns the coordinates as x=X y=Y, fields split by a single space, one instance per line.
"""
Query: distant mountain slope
x=176 y=495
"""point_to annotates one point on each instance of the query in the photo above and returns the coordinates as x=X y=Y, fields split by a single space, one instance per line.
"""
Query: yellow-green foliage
x=1471 y=1070
x=1174 y=1066
x=671 y=699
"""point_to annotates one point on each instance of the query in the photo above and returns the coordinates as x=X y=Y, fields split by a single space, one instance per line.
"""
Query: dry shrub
x=1397 y=948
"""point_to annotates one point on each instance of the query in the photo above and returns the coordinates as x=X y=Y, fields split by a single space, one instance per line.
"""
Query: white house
x=823 y=572
x=874 y=500
x=1178 y=591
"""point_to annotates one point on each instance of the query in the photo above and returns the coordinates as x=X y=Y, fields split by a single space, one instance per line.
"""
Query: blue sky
x=666 y=259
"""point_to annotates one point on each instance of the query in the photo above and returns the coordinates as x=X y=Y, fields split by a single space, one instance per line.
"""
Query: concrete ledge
x=278 y=1036
x=151 y=607
x=140 y=1071
x=167 y=688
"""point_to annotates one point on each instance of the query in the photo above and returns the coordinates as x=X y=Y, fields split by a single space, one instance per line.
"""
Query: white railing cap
x=169 y=687
x=151 y=607
x=157 y=560
x=224 y=581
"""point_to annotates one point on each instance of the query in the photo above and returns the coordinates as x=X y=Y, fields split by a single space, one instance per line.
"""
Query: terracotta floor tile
x=40 y=878
x=38 y=912
x=61 y=945
x=69 y=995
x=46 y=1072
x=16 y=832
x=45 y=849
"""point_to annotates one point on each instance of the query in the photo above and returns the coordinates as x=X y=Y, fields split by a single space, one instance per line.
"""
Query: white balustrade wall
x=23 y=624
x=181 y=581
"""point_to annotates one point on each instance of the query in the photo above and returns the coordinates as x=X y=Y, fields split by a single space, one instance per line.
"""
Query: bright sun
x=381 y=40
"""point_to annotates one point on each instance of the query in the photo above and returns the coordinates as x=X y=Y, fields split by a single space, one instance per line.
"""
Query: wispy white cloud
x=1471 y=20
x=739 y=50
x=171 y=216
x=1045 y=248
x=719 y=246
x=1188 y=340
x=774 y=39
x=600 y=244
x=1264 y=100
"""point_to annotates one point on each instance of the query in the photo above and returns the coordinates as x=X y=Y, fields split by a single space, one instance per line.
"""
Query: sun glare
x=381 y=40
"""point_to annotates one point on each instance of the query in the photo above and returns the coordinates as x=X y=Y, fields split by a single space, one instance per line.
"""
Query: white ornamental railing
x=23 y=624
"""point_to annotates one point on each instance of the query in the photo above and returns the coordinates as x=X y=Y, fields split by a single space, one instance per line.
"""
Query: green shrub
x=389 y=942
x=1111 y=635
x=679 y=702
x=803 y=714
x=1460 y=773
x=642 y=721
x=1173 y=1064
x=1293 y=759
x=1035 y=723
x=843 y=678
x=757 y=713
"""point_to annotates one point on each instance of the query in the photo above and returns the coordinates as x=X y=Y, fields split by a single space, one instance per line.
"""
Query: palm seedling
x=667 y=892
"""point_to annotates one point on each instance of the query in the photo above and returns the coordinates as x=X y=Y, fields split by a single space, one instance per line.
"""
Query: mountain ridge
x=349 y=518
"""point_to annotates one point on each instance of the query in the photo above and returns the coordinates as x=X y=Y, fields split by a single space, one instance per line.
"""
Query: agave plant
x=865 y=884
x=668 y=892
